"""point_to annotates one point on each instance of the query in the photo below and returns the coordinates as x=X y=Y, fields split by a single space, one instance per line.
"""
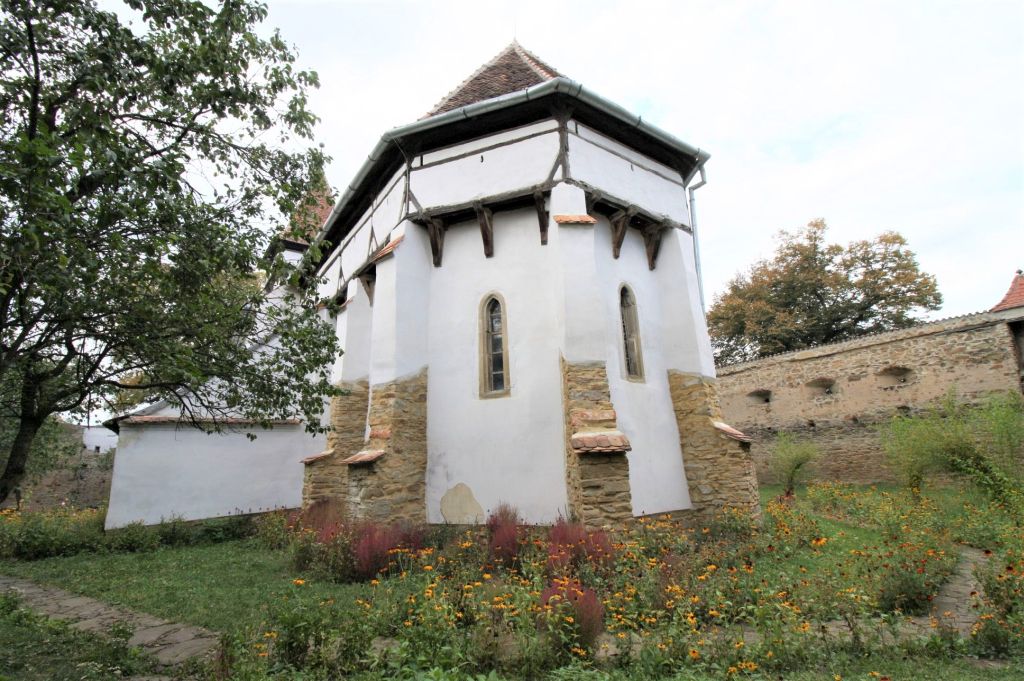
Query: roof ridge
x=539 y=66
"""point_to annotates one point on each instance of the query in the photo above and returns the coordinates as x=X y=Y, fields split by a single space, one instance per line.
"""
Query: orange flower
x=298 y=582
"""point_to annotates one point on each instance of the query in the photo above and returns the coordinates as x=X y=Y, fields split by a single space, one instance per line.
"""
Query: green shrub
x=790 y=457
x=984 y=444
x=915 y=445
x=273 y=530
x=176 y=532
x=133 y=537
x=56 y=533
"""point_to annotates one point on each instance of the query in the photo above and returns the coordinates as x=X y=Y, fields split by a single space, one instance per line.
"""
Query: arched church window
x=494 y=379
x=631 y=335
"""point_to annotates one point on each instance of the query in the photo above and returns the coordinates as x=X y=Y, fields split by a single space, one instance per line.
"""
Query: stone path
x=952 y=606
x=170 y=643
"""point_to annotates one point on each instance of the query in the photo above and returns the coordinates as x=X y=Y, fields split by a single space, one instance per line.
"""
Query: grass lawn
x=220 y=586
x=233 y=586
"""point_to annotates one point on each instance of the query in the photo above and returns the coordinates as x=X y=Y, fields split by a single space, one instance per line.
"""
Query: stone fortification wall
x=840 y=394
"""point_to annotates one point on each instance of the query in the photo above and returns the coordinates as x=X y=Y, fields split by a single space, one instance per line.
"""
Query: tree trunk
x=28 y=426
x=15 y=470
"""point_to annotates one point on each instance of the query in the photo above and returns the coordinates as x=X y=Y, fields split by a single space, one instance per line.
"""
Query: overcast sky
x=905 y=116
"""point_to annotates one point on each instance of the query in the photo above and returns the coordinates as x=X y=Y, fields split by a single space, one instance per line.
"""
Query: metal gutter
x=560 y=85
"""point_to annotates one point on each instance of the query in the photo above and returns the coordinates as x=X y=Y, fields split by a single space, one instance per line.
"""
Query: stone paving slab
x=170 y=643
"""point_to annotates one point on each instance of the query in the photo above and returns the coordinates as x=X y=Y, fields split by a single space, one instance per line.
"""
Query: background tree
x=812 y=292
x=143 y=159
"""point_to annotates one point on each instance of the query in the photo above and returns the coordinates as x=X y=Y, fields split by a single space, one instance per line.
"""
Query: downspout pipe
x=693 y=228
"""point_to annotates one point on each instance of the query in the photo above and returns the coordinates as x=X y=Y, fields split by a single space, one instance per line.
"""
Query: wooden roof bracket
x=652 y=241
x=435 y=231
x=620 y=222
x=542 y=216
x=485 y=217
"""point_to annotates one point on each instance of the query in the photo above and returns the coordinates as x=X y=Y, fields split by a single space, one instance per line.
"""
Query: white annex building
x=516 y=287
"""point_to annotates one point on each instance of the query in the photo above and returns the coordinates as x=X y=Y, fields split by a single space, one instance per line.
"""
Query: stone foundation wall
x=719 y=469
x=327 y=477
x=393 y=487
x=872 y=379
x=597 y=483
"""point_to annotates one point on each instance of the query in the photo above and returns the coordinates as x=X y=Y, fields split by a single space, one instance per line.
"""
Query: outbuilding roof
x=1014 y=297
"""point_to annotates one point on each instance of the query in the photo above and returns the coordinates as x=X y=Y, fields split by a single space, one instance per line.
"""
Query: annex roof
x=1014 y=297
x=514 y=68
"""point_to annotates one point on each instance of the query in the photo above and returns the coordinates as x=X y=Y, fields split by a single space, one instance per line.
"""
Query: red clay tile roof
x=1015 y=296
x=309 y=218
x=601 y=441
x=575 y=220
x=365 y=456
x=512 y=70
x=729 y=431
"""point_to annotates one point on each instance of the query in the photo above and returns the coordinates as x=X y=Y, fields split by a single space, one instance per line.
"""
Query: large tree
x=812 y=292
x=144 y=157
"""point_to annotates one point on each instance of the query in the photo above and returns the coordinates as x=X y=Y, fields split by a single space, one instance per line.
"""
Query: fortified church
x=521 y=315
x=515 y=283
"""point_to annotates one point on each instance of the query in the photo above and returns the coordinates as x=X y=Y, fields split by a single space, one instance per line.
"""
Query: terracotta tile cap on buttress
x=317 y=457
x=365 y=456
x=602 y=441
x=575 y=220
x=729 y=431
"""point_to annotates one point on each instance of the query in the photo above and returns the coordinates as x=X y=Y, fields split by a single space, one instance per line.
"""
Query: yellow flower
x=298 y=582
x=374 y=582
x=428 y=568
x=694 y=654
x=570 y=620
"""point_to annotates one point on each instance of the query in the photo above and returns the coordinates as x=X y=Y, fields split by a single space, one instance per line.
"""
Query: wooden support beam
x=620 y=222
x=486 y=219
x=435 y=230
x=652 y=241
x=542 y=217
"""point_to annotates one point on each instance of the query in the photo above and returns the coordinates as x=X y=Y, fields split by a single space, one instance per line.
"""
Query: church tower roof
x=514 y=68
x=1015 y=296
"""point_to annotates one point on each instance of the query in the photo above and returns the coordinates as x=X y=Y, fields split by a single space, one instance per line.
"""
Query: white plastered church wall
x=505 y=449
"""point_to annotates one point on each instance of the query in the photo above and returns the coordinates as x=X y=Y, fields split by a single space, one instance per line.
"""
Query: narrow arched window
x=631 y=335
x=494 y=379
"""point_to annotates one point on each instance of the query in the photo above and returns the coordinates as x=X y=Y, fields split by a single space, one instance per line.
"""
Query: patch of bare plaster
x=460 y=507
